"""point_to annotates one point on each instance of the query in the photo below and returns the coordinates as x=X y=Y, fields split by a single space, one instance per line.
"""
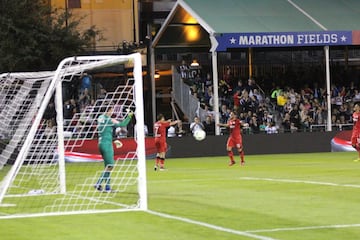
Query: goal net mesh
x=52 y=165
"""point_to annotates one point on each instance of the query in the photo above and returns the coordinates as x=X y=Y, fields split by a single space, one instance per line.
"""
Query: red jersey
x=160 y=129
x=235 y=138
x=235 y=128
x=356 y=120
x=160 y=135
x=356 y=129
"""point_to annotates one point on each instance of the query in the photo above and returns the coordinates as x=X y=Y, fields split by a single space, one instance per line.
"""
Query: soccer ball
x=199 y=135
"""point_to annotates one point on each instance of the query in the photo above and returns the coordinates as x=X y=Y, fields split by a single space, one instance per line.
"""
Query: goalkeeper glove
x=118 y=144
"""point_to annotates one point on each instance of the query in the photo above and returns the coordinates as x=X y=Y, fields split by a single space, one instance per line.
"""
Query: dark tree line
x=34 y=36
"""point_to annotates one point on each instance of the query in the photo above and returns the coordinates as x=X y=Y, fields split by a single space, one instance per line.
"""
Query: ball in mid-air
x=199 y=135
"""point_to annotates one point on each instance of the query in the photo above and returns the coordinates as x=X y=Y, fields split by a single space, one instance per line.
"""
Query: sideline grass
x=287 y=197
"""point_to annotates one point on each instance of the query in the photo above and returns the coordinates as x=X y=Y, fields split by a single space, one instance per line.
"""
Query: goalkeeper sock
x=107 y=180
x=101 y=178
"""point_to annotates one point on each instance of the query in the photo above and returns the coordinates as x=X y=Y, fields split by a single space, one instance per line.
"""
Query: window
x=74 y=3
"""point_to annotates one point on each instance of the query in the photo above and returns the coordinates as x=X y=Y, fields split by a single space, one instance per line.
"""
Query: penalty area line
x=211 y=226
x=300 y=181
x=304 y=228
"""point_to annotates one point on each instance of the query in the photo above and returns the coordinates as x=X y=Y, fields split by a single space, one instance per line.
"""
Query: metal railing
x=181 y=95
x=322 y=127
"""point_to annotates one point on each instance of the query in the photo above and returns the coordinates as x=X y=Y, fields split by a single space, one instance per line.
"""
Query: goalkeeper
x=106 y=124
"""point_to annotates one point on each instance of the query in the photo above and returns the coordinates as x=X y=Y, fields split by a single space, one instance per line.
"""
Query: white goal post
x=52 y=165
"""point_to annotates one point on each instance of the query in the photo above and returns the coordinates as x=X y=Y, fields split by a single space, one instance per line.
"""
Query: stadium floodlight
x=41 y=180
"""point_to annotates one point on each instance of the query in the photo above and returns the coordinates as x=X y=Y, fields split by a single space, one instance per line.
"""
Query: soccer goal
x=50 y=166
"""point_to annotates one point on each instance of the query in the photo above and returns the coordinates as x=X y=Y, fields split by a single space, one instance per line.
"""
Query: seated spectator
x=224 y=113
x=50 y=128
x=262 y=126
x=209 y=125
x=206 y=112
x=258 y=96
x=50 y=112
x=271 y=128
x=196 y=125
x=286 y=122
x=337 y=101
x=305 y=119
x=248 y=103
x=102 y=93
x=180 y=130
x=293 y=128
x=356 y=97
x=295 y=115
x=146 y=130
x=254 y=124
x=319 y=116
x=121 y=132
x=84 y=99
x=208 y=81
x=68 y=112
x=251 y=86
x=171 y=132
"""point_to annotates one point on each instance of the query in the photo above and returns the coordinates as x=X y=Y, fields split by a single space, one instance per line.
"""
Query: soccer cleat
x=231 y=163
x=98 y=187
x=162 y=169
x=108 y=189
x=242 y=163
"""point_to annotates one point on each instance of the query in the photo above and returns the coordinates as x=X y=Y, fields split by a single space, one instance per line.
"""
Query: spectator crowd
x=279 y=109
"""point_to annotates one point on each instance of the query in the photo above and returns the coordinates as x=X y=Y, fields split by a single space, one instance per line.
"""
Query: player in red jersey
x=235 y=138
x=356 y=130
x=160 y=139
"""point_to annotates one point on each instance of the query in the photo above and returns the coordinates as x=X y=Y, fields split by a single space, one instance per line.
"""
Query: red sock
x=242 y=156
x=162 y=162
x=157 y=161
x=231 y=156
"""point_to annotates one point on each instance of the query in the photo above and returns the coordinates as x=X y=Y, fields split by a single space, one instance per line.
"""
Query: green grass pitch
x=282 y=197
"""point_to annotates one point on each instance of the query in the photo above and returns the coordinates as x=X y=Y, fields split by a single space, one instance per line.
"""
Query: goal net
x=50 y=165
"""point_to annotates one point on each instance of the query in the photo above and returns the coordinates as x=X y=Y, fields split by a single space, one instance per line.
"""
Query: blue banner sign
x=283 y=39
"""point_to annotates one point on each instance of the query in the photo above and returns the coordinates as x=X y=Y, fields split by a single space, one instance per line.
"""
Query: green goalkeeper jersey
x=106 y=126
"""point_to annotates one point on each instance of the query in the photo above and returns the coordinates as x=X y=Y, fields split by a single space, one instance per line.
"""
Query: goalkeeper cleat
x=232 y=163
x=98 y=187
x=108 y=189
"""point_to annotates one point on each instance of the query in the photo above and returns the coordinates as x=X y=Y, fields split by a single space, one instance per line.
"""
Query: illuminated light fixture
x=157 y=75
x=194 y=63
x=192 y=33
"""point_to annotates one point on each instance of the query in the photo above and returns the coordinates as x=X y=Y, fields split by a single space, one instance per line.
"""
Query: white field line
x=304 y=228
x=300 y=181
x=244 y=233
x=260 y=179
x=211 y=226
